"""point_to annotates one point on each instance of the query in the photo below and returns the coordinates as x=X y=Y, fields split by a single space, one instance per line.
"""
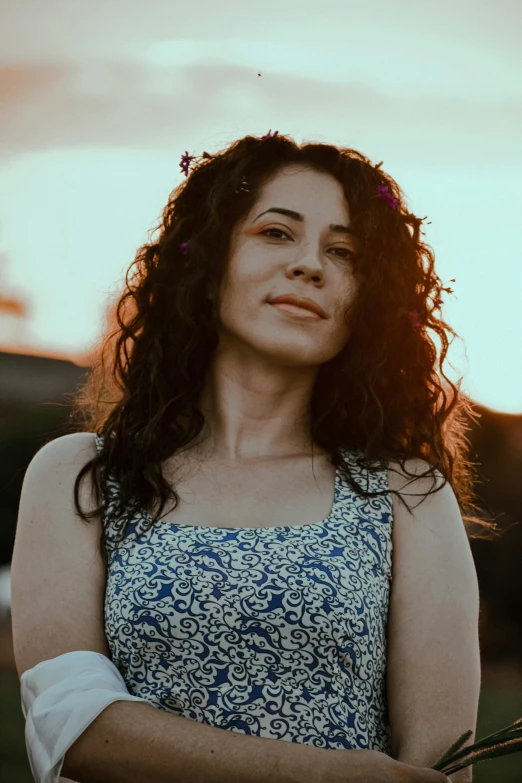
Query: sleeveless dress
x=277 y=632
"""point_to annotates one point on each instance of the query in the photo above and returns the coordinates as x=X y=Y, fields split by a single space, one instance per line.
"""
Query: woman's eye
x=279 y=231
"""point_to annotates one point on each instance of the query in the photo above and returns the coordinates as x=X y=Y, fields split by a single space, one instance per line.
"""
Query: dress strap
x=118 y=521
x=374 y=514
x=110 y=498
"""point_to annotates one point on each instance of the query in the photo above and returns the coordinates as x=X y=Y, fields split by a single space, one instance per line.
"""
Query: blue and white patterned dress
x=278 y=632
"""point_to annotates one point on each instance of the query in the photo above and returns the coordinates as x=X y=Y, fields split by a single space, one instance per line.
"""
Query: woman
x=272 y=371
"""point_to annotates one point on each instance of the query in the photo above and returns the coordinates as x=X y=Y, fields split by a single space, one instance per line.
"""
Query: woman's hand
x=372 y=766
x=388 y=770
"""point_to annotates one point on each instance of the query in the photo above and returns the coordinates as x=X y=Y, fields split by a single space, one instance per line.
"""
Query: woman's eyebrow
x=336 y=227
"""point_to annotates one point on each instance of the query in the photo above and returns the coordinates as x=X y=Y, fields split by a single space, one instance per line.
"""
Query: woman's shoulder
x=415 y=472
x=72 y=447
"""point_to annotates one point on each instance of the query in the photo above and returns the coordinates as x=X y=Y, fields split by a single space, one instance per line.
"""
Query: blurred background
x=100 y=99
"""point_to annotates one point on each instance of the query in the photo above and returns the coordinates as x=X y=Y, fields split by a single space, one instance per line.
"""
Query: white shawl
x=60 y=698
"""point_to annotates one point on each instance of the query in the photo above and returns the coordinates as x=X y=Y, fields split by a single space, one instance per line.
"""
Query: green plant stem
x=501 y=750
x=487 y=743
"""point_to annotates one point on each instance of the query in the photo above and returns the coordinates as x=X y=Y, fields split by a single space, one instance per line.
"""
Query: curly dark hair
x=382 y=394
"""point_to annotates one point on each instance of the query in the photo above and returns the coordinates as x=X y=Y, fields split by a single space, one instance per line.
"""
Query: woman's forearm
x=130 y=742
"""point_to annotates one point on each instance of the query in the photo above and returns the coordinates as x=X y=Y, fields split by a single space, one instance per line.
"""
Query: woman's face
x=310 y=259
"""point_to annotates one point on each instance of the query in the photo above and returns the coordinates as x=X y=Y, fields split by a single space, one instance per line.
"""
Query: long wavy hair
x=382 y=394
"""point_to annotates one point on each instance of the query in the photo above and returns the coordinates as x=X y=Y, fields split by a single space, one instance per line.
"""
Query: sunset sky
x=100 y=99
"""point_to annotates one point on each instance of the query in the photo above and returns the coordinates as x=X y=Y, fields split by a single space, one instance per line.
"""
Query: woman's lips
x=297 y=312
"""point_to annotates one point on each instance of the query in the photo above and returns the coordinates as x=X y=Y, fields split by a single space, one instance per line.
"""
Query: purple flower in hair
x=384 y=192
x=270 y=135
x=186 y=160
x=183 y=247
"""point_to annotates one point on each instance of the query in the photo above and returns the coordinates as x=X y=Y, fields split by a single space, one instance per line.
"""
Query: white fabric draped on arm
x=60 y=698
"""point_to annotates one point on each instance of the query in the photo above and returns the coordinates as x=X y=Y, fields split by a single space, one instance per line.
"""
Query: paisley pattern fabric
x=278 y=632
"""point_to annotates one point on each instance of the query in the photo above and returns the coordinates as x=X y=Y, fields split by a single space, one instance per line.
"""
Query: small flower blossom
x=186 y=160
x=183 y=247
x=384 y=192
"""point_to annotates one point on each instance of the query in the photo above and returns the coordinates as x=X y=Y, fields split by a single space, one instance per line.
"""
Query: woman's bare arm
x=131 y=742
